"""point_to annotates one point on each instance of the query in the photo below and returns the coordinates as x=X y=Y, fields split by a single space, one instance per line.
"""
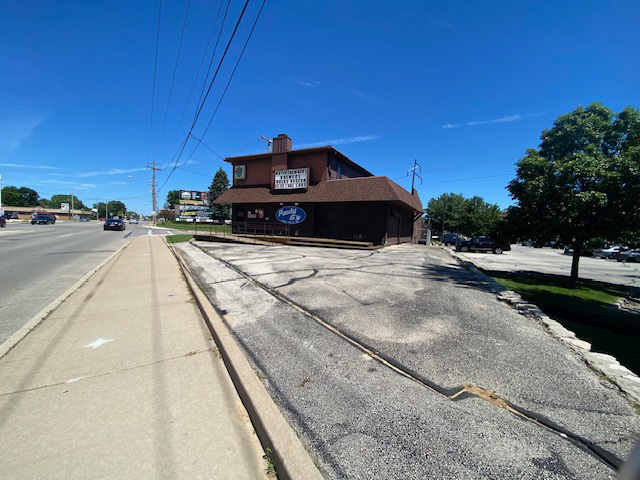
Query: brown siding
x=316 y=161
x=258 y=173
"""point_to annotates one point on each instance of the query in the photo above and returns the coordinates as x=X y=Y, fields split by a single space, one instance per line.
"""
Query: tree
x=468 y=216
x=113 y=208
x=173 y=199
x=583 y=182
x=19 y=197
x=218 y=186
x=56 y=200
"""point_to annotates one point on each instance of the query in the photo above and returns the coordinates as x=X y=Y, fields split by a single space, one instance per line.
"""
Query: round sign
x=291 y=215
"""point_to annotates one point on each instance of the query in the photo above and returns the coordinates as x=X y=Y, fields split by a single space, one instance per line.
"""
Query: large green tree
x=113 y=208
x=57 y=199
x=218 y=186
x=20 y=197
x=173 y=199
x=583 y=181
x=468 y=216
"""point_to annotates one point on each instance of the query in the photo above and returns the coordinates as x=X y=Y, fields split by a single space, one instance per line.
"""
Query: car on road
x=3 y=222
x=84 y=218
x=133 y=220
x=10 y=216
x=482 y=244
x=451 y=238
x=114 y=224
x=43 y=219
x=611 y=252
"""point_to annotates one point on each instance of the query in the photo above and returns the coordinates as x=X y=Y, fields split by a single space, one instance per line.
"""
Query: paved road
x=548 y=260
x=418 y=308
x=40 y=262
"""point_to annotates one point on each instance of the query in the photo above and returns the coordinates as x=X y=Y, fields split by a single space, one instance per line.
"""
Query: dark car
x=84 y=218
x=43 y=219
x=450 y=238
x=114 y=224
x=3 y=222
x=482 y=244
x=10 y=216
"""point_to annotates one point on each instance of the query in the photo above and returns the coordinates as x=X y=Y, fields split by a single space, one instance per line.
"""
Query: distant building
x=25 y=213
x=320 y=193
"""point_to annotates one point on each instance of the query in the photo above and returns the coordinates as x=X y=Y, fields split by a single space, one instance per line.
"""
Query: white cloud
x=117 y=183
x=364 y=96
x=110 y=171
x=20 y=165
x=14 y=131
x=339 y=141
x=506 y=119
x=309 y=84
x=66 y=183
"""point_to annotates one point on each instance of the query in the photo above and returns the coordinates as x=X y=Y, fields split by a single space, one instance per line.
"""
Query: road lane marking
x=66 y=235
x=98 y=343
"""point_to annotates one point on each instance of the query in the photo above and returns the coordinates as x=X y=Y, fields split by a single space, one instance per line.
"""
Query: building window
x=339 y=171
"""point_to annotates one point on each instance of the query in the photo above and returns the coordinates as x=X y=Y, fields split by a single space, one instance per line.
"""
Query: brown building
x=320 y=193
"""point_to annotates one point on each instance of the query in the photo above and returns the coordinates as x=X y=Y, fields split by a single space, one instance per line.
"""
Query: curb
x=14 y=339
x=291 y=459
x=603 y=364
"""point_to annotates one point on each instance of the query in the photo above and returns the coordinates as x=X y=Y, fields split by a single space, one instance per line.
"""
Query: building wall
x=258 y=173
x=339 y=169
x=315 y=161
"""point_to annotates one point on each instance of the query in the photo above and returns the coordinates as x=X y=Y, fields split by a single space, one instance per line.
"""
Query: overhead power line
x=173 y=78
x=204 y=99
x=472 y=178
x=153 y=89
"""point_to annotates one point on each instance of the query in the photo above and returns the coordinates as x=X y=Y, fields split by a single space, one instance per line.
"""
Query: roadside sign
x=64 y=207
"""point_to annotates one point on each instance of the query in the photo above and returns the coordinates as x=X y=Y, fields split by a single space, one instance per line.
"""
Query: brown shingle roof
x=361 y=189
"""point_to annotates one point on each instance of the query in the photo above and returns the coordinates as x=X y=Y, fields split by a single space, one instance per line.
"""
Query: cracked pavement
x=417 y=306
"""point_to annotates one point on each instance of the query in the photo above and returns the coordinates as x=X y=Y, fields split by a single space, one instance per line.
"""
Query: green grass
x=179 y=238
x=585 y=308
x=200 y=227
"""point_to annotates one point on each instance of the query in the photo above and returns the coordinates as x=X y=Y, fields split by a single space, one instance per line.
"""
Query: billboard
x=292 y=178
x=64 y=207
x=199 y=213
x=191 y=197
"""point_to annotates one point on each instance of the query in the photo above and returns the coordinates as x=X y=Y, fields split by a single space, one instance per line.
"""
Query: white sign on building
x=292 y=178
x=64 y=207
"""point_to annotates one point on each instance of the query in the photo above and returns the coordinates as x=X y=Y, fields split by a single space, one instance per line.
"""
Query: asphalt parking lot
x=553 y=261
x=418 y=308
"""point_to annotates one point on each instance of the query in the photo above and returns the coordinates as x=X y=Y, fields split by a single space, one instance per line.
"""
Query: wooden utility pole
x=154 y=200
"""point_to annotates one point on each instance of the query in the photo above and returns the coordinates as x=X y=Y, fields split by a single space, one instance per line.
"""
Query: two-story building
x=319 y=193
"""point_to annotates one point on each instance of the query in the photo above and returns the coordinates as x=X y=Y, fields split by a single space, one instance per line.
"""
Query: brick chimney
x=279 y=157
x=281 y=143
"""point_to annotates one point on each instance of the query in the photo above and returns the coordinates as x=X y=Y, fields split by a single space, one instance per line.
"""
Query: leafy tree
x=446 y=212
x=218 y=186
x=173 y=198
x=56 y=200
x=468 y=216
x=19 y=197
x=114 y=208
x=583 y=181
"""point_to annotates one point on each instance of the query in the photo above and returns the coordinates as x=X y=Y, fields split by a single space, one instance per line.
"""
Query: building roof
x=9 y=208
x=299 y=151
x=360 y=189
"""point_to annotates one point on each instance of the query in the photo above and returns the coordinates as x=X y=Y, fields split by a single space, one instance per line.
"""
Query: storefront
x=318 y=193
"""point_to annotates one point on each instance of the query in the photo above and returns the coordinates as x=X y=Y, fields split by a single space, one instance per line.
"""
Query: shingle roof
x=360 y=189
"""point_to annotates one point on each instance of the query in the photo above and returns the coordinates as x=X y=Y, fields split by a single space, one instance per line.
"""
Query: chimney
x=281 y=143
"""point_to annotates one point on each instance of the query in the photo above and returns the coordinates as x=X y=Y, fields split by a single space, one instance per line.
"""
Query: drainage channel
x=453 y=394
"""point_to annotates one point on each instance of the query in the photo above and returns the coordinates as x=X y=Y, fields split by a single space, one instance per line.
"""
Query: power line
x=153 y=89
x=207 y=147
x=173 y=78
x=204 y=99
x=473 y=178
x=232 y=74
x=195 y=80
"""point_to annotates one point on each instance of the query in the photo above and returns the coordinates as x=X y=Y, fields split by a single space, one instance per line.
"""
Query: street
x=40 y=262
x=553 y=261
x=313 y=321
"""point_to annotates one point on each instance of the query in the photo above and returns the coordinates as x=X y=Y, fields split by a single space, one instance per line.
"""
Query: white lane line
x=66 y=235
x=98 y=343
x=149 y=232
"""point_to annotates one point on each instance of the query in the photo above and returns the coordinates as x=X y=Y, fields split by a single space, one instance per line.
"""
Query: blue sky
x=463 y=87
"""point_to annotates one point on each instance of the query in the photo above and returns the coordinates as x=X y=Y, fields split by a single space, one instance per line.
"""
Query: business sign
x=191 y=212
x=239 y=172
x=292 y=178
x=190 y=197
x=64 y=207
x=291 y=215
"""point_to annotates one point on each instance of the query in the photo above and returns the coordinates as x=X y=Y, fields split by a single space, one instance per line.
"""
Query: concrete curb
x=607 y=365
x=291 y=459
x=14 y=339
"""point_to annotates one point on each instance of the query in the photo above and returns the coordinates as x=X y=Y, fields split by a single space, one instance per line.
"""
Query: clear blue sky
x=446 y=83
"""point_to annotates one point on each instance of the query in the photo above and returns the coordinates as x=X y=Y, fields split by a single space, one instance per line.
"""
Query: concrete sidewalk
x=124 y=381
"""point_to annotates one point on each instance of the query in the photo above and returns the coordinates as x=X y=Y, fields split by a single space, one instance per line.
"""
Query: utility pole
x=444 y=212
x=154 y=200
x=416 y=168
x=71 y=212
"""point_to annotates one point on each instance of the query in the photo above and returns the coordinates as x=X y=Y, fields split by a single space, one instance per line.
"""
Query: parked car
x=114 y=224
x=450 y=238
x=629 y=256
x=482 y=244
x=611 y=252
x=133 y=220
x=10 y=216
x=3 y=222
x=43 y=219
x=84 y=218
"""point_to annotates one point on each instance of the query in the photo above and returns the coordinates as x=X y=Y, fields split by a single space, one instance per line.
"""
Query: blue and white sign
x=291 y=215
